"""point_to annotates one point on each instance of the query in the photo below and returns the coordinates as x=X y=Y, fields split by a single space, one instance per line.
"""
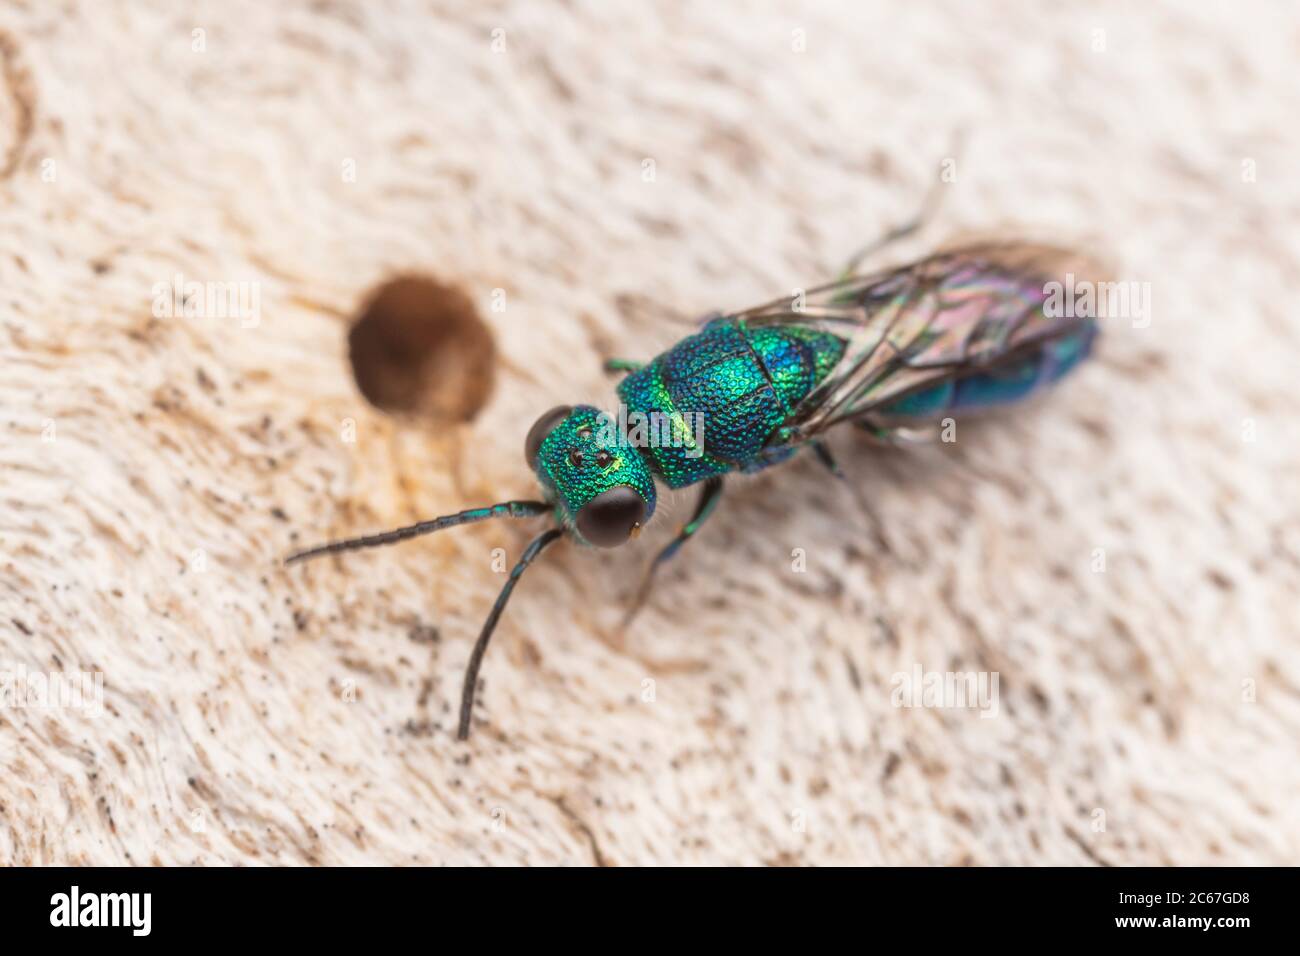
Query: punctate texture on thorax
x=741 y=384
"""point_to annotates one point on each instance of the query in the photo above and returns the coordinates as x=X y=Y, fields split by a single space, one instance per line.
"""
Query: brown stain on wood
x=22 y=91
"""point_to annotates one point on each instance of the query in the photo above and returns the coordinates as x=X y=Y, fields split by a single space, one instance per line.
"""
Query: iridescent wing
x=959 y=312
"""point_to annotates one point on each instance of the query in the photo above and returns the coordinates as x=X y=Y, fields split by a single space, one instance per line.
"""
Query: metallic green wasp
x=893 y=352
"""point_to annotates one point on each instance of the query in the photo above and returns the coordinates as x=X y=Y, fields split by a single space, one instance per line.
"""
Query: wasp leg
x=823 y=453
x=899 y=435
x=709 y=497
x=929 y=205
x=896 y=233
x=623 y=365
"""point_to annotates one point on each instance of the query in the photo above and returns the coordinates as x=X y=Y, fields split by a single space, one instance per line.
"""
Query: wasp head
x=603 y=489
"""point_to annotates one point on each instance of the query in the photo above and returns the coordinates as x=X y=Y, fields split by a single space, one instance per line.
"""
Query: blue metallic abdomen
x=1008 y=382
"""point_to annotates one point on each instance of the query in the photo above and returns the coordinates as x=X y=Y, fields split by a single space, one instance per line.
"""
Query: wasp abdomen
x=1016 y=378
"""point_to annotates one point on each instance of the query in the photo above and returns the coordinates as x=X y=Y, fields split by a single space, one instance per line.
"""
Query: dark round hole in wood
x=419 y=347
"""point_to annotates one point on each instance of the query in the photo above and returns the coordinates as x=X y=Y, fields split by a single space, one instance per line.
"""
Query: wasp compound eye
x=609 y=519
x=541 y=428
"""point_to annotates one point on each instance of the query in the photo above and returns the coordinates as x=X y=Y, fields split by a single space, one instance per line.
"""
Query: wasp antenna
x=506 y=509
x=480 y=646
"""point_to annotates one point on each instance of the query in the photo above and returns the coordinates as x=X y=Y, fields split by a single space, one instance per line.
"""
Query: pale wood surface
x=155 y=469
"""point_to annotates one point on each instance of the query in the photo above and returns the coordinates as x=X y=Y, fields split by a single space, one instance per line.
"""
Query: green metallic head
x=602 y=486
